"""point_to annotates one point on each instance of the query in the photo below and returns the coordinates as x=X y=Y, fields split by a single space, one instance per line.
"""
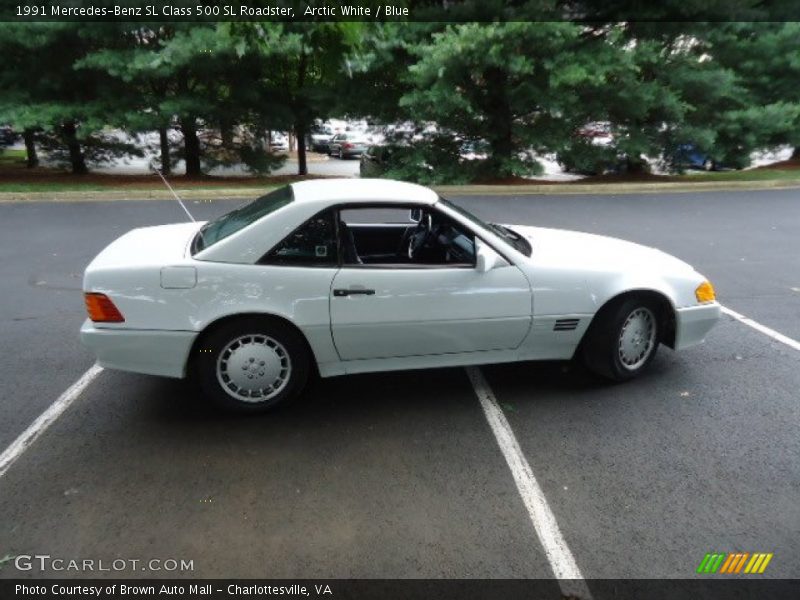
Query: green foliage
x=521 y=88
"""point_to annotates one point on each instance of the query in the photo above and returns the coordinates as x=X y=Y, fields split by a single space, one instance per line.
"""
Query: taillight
x=101 y=309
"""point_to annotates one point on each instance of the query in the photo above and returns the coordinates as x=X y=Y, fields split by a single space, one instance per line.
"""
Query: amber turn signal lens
x=705 y=292
x=101 y=309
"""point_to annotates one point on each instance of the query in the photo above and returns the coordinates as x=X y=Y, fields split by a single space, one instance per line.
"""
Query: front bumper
x=152 y=352
x=693 y=323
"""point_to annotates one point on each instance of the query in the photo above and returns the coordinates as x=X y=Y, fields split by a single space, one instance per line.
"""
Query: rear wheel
x=623 y=339
x=252 y=364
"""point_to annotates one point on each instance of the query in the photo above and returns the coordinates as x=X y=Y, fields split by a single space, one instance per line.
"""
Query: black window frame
x=340 y=264
x=402 y=266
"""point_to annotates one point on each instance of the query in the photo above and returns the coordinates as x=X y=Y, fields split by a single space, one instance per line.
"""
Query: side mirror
x=415 y=215
x=486 y=258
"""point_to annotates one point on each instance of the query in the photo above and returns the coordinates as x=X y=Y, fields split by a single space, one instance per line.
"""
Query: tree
x=766 y=58
x=516 y=86
x=44 y=92
x=304 y=65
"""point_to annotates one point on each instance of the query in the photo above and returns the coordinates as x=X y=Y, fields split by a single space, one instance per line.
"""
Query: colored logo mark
x=735 y=562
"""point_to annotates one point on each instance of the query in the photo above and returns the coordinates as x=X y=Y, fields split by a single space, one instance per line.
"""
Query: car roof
x=362 y=190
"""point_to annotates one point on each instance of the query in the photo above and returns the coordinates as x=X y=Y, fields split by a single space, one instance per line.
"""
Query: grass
x=51 y=187
x=12 y=157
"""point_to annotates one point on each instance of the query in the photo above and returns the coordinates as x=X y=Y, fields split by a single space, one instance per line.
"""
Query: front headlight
x=705 y=292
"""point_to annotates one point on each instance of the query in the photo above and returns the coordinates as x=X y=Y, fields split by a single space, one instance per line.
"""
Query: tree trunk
x=300 y=114
x=226 y=134
x=166 y=163
x=191 y=147
x=30 y=149
x=76 y=158
x=496 y=107
x=300 y=134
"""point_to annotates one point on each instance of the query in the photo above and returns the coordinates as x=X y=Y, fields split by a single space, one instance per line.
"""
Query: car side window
x=403 y=237
x=312 y=244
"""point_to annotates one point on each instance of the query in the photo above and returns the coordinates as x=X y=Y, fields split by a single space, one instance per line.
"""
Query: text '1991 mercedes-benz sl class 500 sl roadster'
x=350 y=276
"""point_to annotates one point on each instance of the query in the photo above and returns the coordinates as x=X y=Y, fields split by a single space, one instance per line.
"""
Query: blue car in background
x=690 y=156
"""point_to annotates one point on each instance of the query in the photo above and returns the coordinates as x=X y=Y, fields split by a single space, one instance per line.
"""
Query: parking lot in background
x=399 y=475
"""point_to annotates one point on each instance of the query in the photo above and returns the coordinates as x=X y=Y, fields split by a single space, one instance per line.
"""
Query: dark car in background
x=7 y=136
x=690 y=156
x=375 y=161
x=319 y=139
x=346 y=145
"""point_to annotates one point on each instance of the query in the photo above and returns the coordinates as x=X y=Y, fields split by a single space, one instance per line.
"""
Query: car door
x=333 y=147
x=396 y=310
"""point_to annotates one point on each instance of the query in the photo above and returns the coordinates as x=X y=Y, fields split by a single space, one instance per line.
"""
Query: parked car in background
x=354 y=276
x=375 y=161
x=7 y=136
x=319 y=138
x=597 y=132
x=345 y=145
x=279 y=142
x=689 y=156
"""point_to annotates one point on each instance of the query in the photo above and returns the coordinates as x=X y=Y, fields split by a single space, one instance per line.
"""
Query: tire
x=622 y=339
x=341 y=155
x=252 y=365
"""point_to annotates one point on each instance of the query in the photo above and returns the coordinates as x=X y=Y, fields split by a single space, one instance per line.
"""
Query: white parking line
x=762 y=328
x=43 y=421
x=544 y=522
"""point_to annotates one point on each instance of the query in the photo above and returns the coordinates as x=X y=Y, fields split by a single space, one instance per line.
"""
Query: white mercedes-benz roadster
x=351 y=276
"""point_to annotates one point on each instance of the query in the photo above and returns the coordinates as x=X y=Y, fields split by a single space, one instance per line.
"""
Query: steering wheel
x=421 y=236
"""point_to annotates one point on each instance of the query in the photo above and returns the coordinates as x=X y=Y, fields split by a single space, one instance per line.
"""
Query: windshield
x=509 y=235
x=238 y=219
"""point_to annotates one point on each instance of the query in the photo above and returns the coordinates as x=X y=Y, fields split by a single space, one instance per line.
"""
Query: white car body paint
x=523 y=308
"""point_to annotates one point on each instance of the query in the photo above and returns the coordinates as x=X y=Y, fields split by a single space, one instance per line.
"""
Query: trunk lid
x=147 y=246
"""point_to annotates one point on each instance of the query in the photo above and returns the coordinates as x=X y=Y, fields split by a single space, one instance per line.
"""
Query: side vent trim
x=566 y=324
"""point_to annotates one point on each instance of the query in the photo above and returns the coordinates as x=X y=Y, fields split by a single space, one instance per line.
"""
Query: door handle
x=340 y=293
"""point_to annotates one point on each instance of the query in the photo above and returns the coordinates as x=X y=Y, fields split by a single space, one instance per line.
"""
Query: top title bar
x=397 y=10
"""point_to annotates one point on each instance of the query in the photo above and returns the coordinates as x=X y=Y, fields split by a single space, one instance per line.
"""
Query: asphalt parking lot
x=399 y=475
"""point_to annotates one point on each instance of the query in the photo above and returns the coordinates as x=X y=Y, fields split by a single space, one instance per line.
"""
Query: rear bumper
x=151 y=352
x=692 y=324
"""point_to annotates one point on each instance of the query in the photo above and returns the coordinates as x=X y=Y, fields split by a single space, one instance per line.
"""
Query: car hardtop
x=366 y=191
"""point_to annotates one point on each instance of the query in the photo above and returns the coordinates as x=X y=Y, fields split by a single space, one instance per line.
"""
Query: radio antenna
x=169 y=187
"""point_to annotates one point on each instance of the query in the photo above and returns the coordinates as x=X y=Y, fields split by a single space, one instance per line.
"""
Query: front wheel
x=252 y=365
x=623 y=339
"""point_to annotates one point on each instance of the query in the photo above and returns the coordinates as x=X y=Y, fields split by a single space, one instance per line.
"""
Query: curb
x=214 y=193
